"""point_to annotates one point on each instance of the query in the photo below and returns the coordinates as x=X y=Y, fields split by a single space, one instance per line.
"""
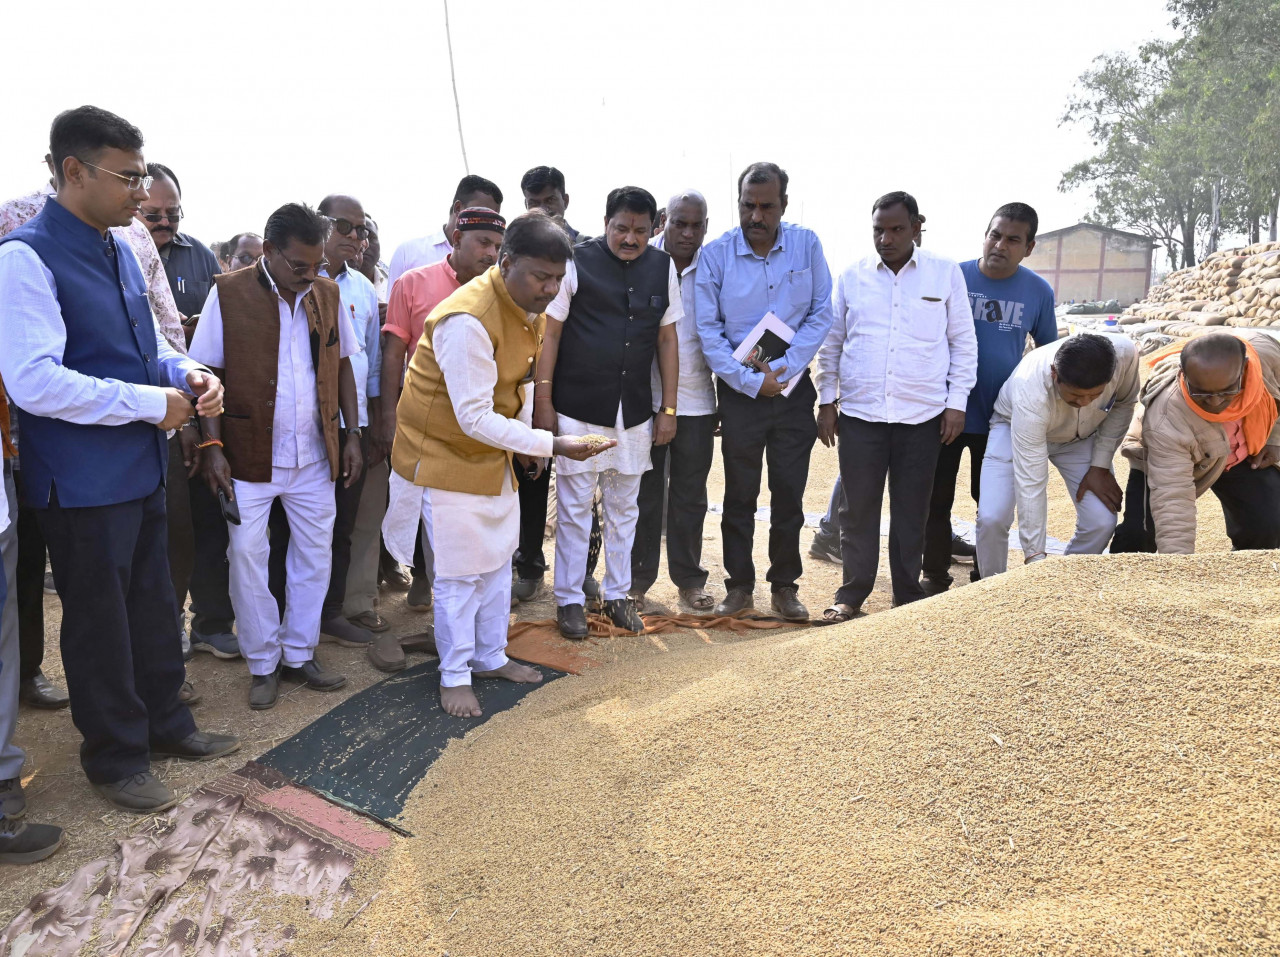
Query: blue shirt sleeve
x=817 y=321
x=1045 y=328
x=710 y=322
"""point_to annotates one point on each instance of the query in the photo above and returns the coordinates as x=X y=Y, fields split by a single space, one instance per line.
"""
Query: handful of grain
x=594 y=440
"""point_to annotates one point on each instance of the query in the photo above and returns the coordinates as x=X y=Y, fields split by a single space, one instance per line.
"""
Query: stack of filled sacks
x=1234 y=287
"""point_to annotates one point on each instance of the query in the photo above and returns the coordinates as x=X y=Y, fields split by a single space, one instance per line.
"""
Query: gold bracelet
x=542 y=382
x=669 y=409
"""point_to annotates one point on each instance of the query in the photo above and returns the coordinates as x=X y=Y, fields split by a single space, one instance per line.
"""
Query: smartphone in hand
x=230 y=509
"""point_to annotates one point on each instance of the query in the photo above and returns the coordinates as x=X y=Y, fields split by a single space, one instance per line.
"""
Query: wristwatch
x=355 y=432
x=669 y=409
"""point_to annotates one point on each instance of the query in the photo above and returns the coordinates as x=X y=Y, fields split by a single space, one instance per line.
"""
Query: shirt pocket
x=927 y=321
x=642 y=307
x=797 y=292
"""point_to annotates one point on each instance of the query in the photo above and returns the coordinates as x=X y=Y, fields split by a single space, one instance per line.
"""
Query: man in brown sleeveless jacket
x=462 y=429
x=276 y=331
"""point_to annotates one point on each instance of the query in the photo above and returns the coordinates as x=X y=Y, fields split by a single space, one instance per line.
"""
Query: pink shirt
x=413 y=297
x=1235 y=439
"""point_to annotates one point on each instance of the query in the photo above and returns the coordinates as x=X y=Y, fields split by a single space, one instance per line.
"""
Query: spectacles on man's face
x=172 y=215
x=344 y=227
x=131 y=182
x=245 y=259
x=1210 y=396
x=301 y=269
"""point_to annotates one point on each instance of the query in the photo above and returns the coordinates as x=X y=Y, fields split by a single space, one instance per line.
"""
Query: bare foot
x=460 y=702
x=512 y=671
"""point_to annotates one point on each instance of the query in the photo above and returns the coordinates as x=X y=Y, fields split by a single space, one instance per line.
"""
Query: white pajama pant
x=307 y=496
x=1095 y=523
x=574 y=494
x=471 y=617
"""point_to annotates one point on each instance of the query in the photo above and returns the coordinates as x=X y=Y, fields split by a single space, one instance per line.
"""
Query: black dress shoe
x=197 y=746
x=736 y=600
x=961 y=551
x=264 y=691
x=37 y=692
x=935 y=584
x=786 y=603
x=314 y=675
x=622 y=612
x=572 y=620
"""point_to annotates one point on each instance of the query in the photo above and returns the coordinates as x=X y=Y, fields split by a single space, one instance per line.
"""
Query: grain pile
x=1079 y=757
x=1233 y=287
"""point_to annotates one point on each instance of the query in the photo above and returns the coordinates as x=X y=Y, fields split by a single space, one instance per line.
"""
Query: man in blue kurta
x=96 y=388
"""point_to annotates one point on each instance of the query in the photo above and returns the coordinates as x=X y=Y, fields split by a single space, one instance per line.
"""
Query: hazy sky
x=255 y=105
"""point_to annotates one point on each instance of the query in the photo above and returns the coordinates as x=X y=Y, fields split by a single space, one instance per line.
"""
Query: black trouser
x=908 y=455
x=690 y=455
x=181 y=536
x=122 y=658
x=937 y=530
x=344 y=522
x=1250 y=506
x=781 y=430
x=29 y=585
x=530 y=562
x=210 y=586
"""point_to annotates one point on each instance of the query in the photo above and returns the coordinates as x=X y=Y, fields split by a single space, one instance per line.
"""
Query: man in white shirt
x=1069 y=403
x=462 y=430
x=690 y=452
x=425 y=250
x=901 y=359
x=359 y=302
x=278 y=334
x=615 y=312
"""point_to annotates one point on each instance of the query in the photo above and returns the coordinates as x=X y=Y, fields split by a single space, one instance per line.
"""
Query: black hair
x=899 y=197
x=634 y=199
x=1215 y=347
x=1019 y=213
x=232 y=244
x=296 y=221
x=85 y=132
x=1085 y=361
x=468 y=186
x=160 y=171
x=540 y=177
x=537 y=235
x=758 y=173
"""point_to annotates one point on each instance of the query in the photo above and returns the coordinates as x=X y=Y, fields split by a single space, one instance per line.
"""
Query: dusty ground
x=57 y=791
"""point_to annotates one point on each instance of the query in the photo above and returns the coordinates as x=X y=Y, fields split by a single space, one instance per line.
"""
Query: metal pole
x=454 y=80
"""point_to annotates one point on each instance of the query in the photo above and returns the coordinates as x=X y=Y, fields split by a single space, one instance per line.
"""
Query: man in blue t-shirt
x=1009 y=302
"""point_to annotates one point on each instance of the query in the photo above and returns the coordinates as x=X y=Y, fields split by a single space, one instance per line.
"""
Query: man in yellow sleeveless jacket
x=462 y=429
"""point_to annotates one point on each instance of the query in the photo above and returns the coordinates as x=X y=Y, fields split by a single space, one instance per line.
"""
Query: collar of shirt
x=659 y=242
x=743 y=248
x=181 y=240
x=879 y=263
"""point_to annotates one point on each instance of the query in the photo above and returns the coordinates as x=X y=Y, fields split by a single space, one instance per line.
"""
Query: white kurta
x=473 y=534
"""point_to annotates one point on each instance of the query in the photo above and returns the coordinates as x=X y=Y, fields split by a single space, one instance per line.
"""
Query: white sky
x=254 y=105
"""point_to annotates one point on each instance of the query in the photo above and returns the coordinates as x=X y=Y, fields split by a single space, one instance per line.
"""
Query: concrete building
x=1091 y=262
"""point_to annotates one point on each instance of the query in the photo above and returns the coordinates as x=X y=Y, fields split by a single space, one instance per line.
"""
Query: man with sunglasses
x=359 y=302
x=97 y=387
x=278 y=332
x=242 y=249
x=1069 y=404
x=189 y=264
x=1208 y=422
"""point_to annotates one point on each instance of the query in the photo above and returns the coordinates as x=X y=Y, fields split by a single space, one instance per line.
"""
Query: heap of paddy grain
x=1078 y=757
x=1234 y=287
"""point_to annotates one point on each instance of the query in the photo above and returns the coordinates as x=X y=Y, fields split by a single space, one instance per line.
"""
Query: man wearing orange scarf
x=1207 y=421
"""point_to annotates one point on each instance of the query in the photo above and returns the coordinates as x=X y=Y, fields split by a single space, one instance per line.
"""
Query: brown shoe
x=737 y=599
x=423 y=642
x=786 y=604
x=385 y=654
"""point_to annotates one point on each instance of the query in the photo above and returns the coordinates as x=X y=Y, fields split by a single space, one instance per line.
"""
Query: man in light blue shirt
x=360 y=308
x=763 y=266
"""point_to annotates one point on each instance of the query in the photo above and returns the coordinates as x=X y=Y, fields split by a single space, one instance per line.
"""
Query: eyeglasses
x=344 y=227
x=301 y=269
x=130 y=182
x=172 y=215
x=244 y=259
x=1228 y=394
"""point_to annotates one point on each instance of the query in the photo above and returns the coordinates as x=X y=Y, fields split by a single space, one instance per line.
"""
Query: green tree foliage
x=1176 y=120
